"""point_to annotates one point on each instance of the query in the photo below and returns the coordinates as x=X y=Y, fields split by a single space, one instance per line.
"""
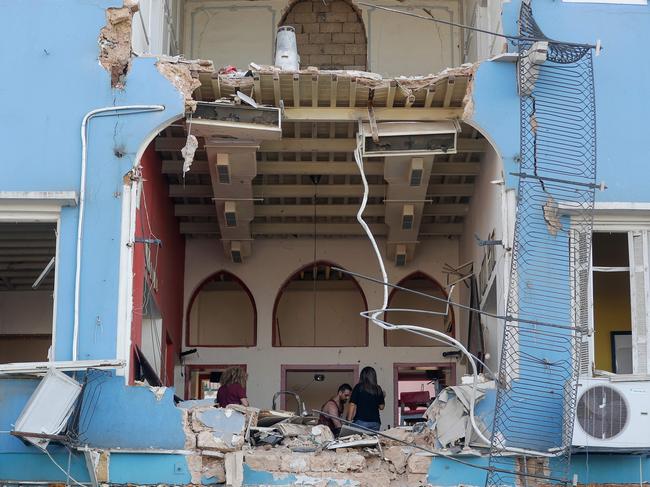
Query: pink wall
x=170 y=259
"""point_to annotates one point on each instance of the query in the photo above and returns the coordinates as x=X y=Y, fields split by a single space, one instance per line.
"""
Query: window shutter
x=582 y=269
x=640 y=297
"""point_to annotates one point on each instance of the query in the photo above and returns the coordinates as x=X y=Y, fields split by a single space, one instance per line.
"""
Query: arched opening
x=423 y=283
x=222 y=313
x=319 y=307
x=330 y=35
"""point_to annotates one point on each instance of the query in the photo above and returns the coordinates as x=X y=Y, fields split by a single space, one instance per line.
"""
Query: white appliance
x=612 y=414
x=49 y=407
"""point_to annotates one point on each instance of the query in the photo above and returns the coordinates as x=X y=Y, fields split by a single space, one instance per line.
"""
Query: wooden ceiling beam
x=311 y=144
x=441 y=229
x=307 y=229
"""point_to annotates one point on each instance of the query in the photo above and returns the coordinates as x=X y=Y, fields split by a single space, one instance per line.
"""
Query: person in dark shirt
x=366 y=401
x=334 y=407
x=233 y=387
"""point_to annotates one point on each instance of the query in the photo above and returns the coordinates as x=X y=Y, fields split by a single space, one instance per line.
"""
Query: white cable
x=63 y=470
x=105 y=111
x=417 y=329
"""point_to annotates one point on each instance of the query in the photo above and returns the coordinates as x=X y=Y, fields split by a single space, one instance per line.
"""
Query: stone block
x=352 y=27
x=343 y=59
x=397 y=457
x=331 y=27
x=305 y=18
x=350 y=462
x=360 y=59
x=333 y=49
x=321 y=38
x=320 y=59
x=322 y=462
x=419 y=464
x=295 y=463
x=416 y=480
x=360 y=38
x=311 y=28
x=307 y=49
x=213 y=470
x=343 y=38
x=302 y=7
x=339 y=6
x=263 y=460
x=336 y=17
x=355 y=49
x=353 y=17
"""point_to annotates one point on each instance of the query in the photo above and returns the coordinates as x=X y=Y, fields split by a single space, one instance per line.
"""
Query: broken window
x=27 y=258
x=405 y=300
x=222 y=314
x=319 y=307
x=612 y=307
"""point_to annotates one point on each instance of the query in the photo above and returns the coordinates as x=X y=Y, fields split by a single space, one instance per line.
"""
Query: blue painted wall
x=621 y=74
x=51 y=79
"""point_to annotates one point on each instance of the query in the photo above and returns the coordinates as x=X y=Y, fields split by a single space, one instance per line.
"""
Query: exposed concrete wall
x=240 y=32
x=272 y=262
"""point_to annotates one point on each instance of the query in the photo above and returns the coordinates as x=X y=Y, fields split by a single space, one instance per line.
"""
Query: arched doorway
x=423 y=283
x=222 y=313
x=330 y=35
x=319 y=307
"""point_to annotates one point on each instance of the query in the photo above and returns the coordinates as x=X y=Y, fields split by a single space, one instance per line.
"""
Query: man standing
x=334 y=407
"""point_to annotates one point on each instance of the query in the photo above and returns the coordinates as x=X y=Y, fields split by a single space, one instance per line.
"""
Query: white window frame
x=38 y=207
x=625 y=218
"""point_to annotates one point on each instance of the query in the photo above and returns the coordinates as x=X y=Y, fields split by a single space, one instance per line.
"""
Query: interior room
x=27 y=277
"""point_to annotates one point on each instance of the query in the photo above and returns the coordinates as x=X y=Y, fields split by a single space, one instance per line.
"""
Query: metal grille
x=547 y=307
x=602 y=412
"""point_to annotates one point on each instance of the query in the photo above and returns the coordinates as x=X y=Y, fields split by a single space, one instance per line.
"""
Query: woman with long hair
x=366 y=401
x=233 y=387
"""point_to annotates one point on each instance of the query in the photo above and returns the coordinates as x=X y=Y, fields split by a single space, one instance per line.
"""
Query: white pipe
x=108 y=111
x=418 y=329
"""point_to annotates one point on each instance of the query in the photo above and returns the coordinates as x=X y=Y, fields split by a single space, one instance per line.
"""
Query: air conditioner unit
x=612 y=414
x=409 y=138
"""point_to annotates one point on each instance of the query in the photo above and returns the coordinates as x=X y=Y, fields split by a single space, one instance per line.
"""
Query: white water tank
x=286 y=49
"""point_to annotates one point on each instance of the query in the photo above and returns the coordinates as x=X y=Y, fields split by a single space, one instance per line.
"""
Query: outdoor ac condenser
x=612 y=415
x=409 y=138
x=49 y=407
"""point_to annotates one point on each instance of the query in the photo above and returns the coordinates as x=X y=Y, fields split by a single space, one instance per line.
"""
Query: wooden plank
x=449 y=91
x=428 y=100
x=199 y=227
x=445 y=210
x=390 y=100
x=334 y=88
x=441 y=229
x=307 y=229
x=195 y=210
x=319 y=167
x=353 y=92
x=450 y=190
x=257 y=89
x=276 y=89
x=312 y=144
x=348 y=114
x=325 y=191
x=296 y=90
x=455 y=168
x=321 y=210
x=314 y=91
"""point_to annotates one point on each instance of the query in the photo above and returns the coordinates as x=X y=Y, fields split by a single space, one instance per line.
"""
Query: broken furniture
x=413 y=405
x=301 y=405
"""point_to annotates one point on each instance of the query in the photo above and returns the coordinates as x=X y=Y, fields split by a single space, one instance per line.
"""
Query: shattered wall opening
x=115 y=42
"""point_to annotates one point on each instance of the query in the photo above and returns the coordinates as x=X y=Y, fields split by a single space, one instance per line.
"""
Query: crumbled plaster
x=468 y=100
x=184 y=75
x=115 y=41
x=532 y=466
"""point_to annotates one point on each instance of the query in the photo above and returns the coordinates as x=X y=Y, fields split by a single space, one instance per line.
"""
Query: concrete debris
x=221 y=429
x=115 y=42
x=188 y=152
x=234 y=466
x=184 y=75
x=449 y=417
x=551 y=216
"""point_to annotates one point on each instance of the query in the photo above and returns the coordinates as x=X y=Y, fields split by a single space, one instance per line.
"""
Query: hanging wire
x=533 y=37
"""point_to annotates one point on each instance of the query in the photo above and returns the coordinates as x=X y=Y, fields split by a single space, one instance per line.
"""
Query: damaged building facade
x=195 y=207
